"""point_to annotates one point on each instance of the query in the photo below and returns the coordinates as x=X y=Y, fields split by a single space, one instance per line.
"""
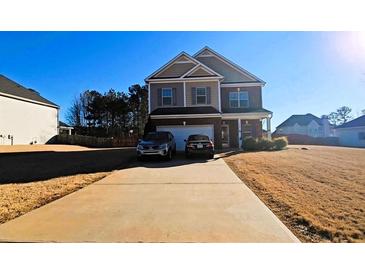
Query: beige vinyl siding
x=200 y=73
x=175 y=70
x=179 y=94
x=213 y=92
x=254 y=98
x=230 y=74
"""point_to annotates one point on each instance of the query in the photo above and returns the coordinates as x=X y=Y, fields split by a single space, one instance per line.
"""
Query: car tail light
x=190 y=145
x=210 y=144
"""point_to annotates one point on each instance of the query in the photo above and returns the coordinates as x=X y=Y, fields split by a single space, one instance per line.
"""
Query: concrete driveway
x=177 y=201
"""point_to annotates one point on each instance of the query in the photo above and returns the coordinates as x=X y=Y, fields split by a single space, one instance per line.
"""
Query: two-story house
x=305 y=124
x=207 y=94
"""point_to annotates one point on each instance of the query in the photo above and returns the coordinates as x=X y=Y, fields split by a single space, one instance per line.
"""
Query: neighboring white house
x=352 y=133
x=25 y=116
x=307 y=124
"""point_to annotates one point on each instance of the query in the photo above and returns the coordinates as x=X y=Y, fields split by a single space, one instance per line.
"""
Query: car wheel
x=169 y=155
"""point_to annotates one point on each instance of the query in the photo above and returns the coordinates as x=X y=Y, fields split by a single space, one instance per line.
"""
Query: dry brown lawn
x=32 y=176
x=317 y=191
x=18 y=199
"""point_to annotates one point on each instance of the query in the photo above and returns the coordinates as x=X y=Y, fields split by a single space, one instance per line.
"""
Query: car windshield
x=156 y=136
x=198 y=138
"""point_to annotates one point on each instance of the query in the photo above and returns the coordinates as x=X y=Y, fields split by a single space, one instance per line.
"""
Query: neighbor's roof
x=62 y=124
x=300 y=119
x=11 y=88
x=184 y=110
x=358 y=122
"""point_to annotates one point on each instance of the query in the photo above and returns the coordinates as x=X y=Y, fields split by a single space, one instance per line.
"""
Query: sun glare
x=351 y=46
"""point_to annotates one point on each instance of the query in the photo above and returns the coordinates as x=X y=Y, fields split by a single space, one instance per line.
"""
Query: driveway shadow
x=26 y=167
x=178 y=160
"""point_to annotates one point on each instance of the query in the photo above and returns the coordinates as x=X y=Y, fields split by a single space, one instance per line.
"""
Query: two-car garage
x=182 y=132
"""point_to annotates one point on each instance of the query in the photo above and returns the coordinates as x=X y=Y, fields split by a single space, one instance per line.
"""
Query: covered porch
x=236 y=126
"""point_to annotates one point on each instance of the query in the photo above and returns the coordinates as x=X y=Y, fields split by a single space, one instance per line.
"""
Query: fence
x=91 y=141
x=297 y=139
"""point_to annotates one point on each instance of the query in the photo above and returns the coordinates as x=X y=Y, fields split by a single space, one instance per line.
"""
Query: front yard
x=32 y=176
x=317 y=191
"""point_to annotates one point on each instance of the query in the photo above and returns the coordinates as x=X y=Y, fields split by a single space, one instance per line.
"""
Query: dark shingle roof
x=358 y=122
x=245 y=110
x=301 y=119
x=10 y=87
x=184 y=110
x=62 y=124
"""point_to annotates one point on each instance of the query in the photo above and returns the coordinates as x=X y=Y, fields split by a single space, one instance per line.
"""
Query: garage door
x=182 y=132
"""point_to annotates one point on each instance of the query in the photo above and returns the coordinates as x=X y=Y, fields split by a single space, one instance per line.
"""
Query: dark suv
x=159 y=143
x=199 y=144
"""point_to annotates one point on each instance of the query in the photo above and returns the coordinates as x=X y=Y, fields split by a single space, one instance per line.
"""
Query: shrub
x=280 y=143
x=265 y=144
x=249 y=144
x=252 y=144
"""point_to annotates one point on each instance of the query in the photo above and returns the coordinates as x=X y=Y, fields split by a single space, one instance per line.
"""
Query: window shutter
x=159 y=97
x=174 y=99
x=193 y=96
x=208 y=96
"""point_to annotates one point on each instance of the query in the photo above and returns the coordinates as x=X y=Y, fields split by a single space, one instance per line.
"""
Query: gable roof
x=207 y=52
x=186 y=58
x=358 y=122
x=301 y=119
x=15 y=90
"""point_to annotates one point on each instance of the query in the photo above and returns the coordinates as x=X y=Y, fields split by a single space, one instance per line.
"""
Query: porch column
x=239 y=133
x=69 y=131
x=268 y=127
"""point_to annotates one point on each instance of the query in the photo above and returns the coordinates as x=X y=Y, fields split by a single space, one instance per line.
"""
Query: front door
x=225 y=136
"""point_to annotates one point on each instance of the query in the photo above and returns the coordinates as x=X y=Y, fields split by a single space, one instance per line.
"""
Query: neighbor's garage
x=182 y=132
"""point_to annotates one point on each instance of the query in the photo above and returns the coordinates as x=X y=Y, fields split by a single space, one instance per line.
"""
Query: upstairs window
x=362 y=136
x=201 y=96
x=167 y=96
x=238 y=99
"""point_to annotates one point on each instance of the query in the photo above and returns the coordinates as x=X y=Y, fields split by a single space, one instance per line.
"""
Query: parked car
x=159 y=143
x=198 y=144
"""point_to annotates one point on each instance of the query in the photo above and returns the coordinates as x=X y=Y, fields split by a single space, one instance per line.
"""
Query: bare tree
x=340 y=116
x=74 y=114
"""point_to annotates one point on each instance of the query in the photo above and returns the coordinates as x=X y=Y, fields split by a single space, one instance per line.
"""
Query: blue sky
x=306 y=72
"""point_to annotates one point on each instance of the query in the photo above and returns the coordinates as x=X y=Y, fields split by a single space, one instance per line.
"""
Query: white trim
x=239 y=85
x=179 y=80
x=206 y=55
x=191 y=71
x=184 y=94
x=149 y=98
x=268 y=127
x=204 y=67
x=178 y=116
x=219 y=97
x=186 y=73
x=229 y=63
x=168 y=64
x=239 y=133
x=173 y=61
x=250 y=115
x=184 y=62
x=27 y=100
